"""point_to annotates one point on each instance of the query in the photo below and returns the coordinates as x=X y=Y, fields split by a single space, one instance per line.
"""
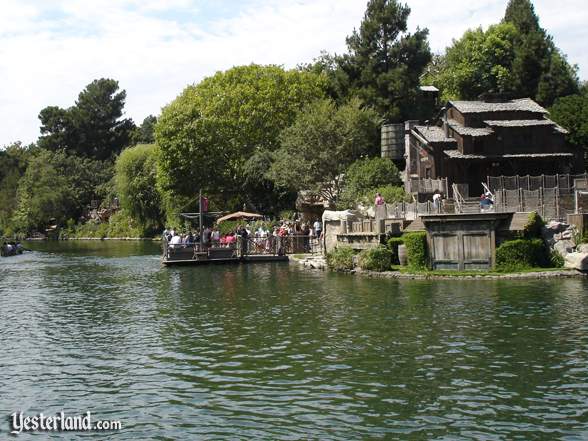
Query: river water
x=270 y=351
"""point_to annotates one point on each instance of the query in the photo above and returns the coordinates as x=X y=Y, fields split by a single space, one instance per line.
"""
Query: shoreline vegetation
x=407 y=274
x=262 y=138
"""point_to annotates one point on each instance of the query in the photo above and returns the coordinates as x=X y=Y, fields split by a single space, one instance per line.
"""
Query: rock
x=556 y=227
x=582 y=248
x=568 y=234
x=564 y=247
x=577 y=261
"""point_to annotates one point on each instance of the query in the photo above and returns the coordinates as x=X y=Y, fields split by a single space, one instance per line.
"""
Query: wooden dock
x=220 y=255
x=245 y=259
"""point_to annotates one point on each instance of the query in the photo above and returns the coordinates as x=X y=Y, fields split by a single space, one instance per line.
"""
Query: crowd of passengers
x=261 y=237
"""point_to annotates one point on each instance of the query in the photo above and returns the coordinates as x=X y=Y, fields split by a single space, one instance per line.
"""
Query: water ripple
x=272 y=352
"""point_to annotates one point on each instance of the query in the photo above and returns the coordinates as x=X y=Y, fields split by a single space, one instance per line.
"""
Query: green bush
x=229 y=226
x=376 y=259
x=532 y=229
x=416 y=250
x=392 y=245
x=521 y=254
x=556 y=260
x=341 y=259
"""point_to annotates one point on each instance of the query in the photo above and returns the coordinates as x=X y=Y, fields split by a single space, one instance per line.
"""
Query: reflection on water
x=272 y=352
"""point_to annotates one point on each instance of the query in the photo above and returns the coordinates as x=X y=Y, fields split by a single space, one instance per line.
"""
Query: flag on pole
x=204 y=204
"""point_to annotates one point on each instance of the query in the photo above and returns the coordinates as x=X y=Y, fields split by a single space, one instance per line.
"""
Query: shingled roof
x=456 y=154
x=433 y=134
x=519 y=105
x=469 y=131
x=520 y=123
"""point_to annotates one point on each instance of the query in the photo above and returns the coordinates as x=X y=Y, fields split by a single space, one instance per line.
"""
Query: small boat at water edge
x=11 y=249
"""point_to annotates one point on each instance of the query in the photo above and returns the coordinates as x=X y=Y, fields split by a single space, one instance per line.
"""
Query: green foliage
x=135 y=177
x=516 y=58
x=13 y=163
x=539 y=69
x=556 y=260
x=572 y=113
x=385 y=62
x=532 y=229
x=287 y=214
x=227 y=227
x=210 y=131
x=323 y=140
x=521 y=254
x=92 y=127
x=480 y=61
x=390 y=194
x=341 y=259
x=119 y=225
x=416 y=250
x=56 y=187
x=364 y=176
x=145 y=133
x=376 y=259
x=393 y=243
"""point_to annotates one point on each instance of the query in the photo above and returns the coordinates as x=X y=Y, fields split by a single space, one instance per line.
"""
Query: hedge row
x=521 y=254
x=341 y=258
x=376 y=259
x=416 y=250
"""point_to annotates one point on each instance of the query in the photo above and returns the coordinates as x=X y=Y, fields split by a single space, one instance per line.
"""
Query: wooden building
x=476 y=139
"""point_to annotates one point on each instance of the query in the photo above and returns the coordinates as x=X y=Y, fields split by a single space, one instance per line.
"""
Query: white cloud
x=154 y=48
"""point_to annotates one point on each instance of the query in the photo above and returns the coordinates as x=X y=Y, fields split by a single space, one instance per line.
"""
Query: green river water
x=271 y=351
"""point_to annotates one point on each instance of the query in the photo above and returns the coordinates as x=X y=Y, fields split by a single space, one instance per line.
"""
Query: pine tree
x=385 y=62
x=539 y=69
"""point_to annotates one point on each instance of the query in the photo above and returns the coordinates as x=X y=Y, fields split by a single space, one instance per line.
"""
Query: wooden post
x=557 y=202
x=200 y=209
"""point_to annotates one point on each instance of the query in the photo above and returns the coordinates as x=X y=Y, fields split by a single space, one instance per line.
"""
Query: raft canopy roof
x=240 y=215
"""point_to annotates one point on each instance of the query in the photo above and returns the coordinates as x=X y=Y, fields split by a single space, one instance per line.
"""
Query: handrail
x=487 y=190
x=459 y=200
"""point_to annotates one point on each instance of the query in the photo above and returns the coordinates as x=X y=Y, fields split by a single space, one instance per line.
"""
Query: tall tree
x=135 y=177
x=13 y=164
x=385 y=62
x=93 y=127
x=56 y=186
x=323 y=140
x=539 y=69
x=572 y=113
x=480 y=61
x=516 y=57
x=145 y=133
x=215 y=133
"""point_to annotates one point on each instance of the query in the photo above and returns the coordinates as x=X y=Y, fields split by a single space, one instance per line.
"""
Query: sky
x=51 y=49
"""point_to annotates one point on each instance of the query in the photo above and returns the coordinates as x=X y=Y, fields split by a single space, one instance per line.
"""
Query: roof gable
x=518 y=105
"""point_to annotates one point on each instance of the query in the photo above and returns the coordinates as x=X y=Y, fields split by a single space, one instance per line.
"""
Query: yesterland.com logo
x=58 y=423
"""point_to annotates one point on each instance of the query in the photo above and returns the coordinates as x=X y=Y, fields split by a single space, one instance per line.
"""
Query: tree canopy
x=323 y=140
x=572 y=113
x=516 y=58
x=479 y=62
x=539 y=68
x=93 y=127
x=13 y=164
x=135 y=177
x=212 y=131
x=56 y=186
x=385 y=62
